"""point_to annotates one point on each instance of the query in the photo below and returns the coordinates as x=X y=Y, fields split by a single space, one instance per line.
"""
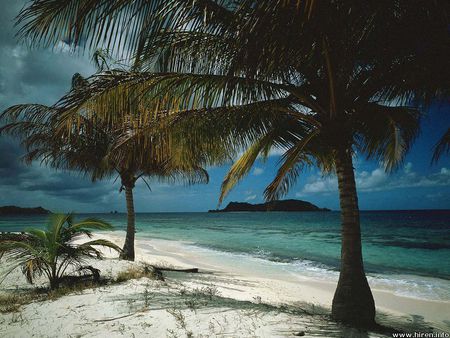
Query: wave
x=417 y=245
x=407 y=285
x=412 y=286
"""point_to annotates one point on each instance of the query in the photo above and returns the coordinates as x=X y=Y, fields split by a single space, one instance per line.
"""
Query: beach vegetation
x=51 y=252
x=137 y=272
x=179 y=317
x=12 y=302
x=199 y=296
x=148 y=295
x=320 y=81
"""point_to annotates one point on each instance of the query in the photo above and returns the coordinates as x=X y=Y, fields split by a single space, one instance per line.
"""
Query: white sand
x=148 y=308
x=274 y=287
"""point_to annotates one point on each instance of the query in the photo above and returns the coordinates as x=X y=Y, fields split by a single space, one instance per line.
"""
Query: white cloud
x=273 y=152
x=257 y=171
x=379 y=180
x=408 y=168
x=320 y=185
x=374 y=179
x=276 y=152
x=250 y=198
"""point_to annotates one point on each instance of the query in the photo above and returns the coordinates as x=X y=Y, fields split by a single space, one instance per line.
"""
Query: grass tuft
x=11 y=302
x=137 y=272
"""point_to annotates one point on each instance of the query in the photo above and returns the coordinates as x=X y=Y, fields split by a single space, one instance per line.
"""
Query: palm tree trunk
x=128 y=248
x=54 y=284
x=353 y=301
x=54 y=280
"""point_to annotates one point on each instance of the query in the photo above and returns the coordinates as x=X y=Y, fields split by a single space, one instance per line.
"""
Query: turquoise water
x=396 y=244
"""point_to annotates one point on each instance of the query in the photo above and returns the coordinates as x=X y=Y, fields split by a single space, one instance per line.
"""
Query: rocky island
x=10 y=210
x=283 y=205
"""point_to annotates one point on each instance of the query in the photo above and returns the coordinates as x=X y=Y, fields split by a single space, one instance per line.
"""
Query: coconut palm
x=94 y=147
x=320 y=80
x=52 y=251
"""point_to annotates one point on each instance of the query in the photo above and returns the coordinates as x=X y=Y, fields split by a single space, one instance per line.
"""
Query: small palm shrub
x=52 y=251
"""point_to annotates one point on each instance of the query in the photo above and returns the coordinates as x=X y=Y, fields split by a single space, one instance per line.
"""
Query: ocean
x=407 y=252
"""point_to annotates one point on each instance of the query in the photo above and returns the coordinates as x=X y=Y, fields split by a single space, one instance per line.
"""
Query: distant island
x=14 y=210
x=283 y=205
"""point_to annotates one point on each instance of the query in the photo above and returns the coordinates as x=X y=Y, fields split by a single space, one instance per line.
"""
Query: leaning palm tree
x=52 y=251
x=94 y=148
x=300 y=75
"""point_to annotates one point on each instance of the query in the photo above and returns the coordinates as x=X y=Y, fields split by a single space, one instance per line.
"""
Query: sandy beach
x=228 y=298
x=217 y=168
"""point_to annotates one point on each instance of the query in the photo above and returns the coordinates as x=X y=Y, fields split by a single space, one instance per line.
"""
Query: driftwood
x=191 y=270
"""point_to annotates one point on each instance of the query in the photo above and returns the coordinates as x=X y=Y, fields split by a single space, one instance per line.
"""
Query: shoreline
x=277 y=288
x=229 y=297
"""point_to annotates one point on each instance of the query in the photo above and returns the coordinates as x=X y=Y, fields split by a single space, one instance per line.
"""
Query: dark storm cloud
x=43 y=76
x=33 y=76
x=28 y=179
x=37 y=76
x=69 y=186
x=9 y=11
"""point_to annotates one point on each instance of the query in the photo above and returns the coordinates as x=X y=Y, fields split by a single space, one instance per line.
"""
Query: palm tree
x=52 y=251
x=94 y=147
x=317 y=79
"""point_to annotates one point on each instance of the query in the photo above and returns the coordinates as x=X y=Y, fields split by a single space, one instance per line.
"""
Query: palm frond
x=243 y=165
x=386 y=133
x=121 y=25
x=293 y=162
x=112 y=95
x=442 y=147
x=91 y=224
x=88 y=247
x=51 y=251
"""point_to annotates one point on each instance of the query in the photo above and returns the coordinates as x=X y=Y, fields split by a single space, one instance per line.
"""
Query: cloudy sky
x=42 y=76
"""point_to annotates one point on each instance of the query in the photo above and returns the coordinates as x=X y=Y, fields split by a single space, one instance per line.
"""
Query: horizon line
x=198 y=212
